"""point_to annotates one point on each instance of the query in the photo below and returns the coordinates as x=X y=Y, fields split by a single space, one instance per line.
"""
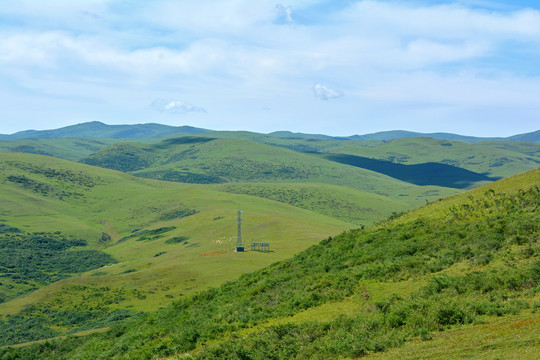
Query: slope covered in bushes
x=365 y=291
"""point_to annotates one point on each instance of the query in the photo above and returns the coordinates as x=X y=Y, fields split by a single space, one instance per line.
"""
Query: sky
x=336 y=67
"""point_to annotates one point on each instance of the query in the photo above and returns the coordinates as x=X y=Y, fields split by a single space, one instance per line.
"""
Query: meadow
x=159 y=241
x=454 y=269
x=115 y=249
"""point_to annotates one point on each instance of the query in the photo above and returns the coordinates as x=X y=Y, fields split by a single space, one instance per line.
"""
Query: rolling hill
x=494 y=159
x=72 y=149
x=82 y=247
x=460 y=276
x=96 y=129
x=213 y=161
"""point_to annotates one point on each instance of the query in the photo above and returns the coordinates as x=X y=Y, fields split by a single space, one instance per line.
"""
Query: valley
x=103 y=233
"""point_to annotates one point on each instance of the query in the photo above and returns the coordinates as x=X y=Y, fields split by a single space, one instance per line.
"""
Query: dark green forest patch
x=148 y=235
x=184 y=140
x=62 y=175
x=122 y=157
x=31 y=260
x=178 y=240
x=181 y=176
x=178 y=214
x=81 y=308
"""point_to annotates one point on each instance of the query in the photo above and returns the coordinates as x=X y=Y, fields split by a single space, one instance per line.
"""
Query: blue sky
x=336 y=67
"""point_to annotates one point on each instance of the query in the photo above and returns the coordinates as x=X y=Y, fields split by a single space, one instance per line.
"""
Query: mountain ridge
x=452 y=265
x=99 y=129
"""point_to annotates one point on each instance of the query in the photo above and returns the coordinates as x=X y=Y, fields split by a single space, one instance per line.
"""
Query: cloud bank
x=240 y=56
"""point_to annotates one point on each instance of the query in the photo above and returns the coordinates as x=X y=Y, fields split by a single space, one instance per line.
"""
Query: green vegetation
x=148 y=235
x=419 y=174
x=129 y=245
x=344 y=203
x=211 y=161
x=177 y=240
x=96 y=129
x=153 y=266
x=123 y=157
x=30 y=260
x=471 y=259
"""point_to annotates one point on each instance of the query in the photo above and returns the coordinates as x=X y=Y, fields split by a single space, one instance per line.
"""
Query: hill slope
x=213 y=161
x=96 y=129
x=70 y=231
x=469 y=259
x=494 y=159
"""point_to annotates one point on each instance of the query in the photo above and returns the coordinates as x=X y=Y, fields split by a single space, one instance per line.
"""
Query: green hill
x=341 y=202
x=466 y=267
x=64 y=148
x=494 y=159
x=79 y=243
x=213 y=161
x=96 y=129
x=431 y=173
x=428 y=168
x=531 y=137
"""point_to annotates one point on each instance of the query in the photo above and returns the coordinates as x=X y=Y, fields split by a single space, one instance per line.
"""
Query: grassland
x=494 y=158
x=463 y=268
x=69 y=148
x=168 y=239
x=341 y=202
x=210 y=160
x=171 y=241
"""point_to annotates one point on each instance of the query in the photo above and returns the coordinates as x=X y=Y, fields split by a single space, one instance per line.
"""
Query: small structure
x=239 y=247
x=265 y=247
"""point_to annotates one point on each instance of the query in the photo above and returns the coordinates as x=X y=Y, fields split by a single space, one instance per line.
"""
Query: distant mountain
x=293 y=135
x=96 y=129
x=400 y=134
x=531 y=137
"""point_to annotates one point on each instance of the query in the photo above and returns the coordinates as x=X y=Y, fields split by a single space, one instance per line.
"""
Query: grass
x=86 y=202
x=493 y=158
x=341 y=202
x=498 y=338
x=402 y=282
x=231 y=160
x=290 y=200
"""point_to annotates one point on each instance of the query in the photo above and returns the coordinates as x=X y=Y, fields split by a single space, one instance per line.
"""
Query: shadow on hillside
x=430 y=173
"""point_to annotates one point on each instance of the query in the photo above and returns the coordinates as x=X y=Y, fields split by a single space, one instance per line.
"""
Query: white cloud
x=229 y=53
x=175 y=106
x=442 y=21
x=326 y=93
x=284 y=14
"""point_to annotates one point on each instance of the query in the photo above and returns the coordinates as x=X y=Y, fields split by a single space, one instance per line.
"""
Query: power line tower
x=239 y=247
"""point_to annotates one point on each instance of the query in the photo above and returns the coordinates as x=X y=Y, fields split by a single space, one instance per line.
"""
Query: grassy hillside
x=494 y=159
x=96 y=129
x=344 y=203
x=69 y=148
x=431 y=173
x=463 y=268
x=158 y=240
x=210 y=160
